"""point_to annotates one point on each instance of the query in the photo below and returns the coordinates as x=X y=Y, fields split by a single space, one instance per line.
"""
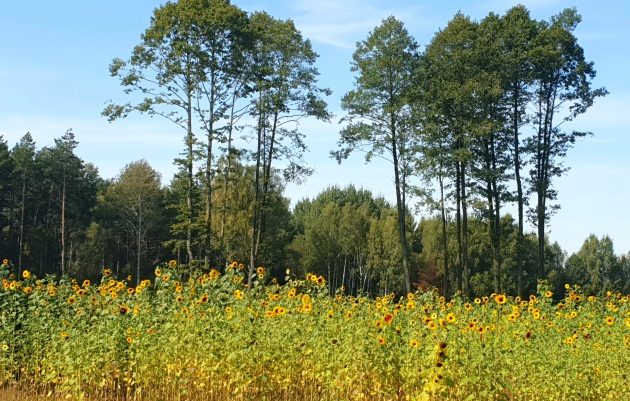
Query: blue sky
x=54 y=76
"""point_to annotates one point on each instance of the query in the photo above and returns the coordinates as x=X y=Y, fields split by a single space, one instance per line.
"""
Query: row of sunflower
x=205 y=335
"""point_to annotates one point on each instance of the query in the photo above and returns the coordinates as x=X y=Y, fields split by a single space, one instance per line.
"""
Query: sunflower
x=450 y=318
x=172 y=263
x=5 y=262
x=26 y=274
x=260 y=270
x=381 y=340
x=321 y=280
x=609 y=320
x=413 y=343
x=28 y=290
x=157 y=272
x=124 y=309
x=388 y=318
x=5 y=347
x=548 y=294
x=238 y=294
x=500 y=299
x=72 y=300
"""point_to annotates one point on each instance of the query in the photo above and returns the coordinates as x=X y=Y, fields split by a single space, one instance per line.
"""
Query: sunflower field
x=206 y=336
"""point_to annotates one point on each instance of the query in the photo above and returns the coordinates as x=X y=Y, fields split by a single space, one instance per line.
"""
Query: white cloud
x=343 y=23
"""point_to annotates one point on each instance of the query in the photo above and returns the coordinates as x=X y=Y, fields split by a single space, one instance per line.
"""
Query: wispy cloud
x=343 y=23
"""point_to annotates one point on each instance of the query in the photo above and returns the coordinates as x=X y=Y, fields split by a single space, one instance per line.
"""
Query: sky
x=54 y=76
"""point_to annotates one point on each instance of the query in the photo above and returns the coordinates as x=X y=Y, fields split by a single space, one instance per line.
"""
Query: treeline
x=472 y=123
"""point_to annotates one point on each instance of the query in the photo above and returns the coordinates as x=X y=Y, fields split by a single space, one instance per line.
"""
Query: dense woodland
x=471 y=124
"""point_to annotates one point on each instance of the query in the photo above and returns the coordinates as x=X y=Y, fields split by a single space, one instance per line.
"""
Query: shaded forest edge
x=472 y=125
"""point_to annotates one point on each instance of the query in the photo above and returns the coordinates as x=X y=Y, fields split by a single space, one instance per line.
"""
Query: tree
x=378 y=113
x=595 y=266
x=23 y=155
x=6 y=173
x=136 y=193
x=284 y=92
x=517 y=36
x=448 y=84
x=223 y=43
x=562 y=79
x=167 y=68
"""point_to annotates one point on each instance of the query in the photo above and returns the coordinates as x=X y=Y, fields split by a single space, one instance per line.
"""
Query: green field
x=207 y=337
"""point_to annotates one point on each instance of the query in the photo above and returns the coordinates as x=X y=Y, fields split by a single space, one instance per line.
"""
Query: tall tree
x=167 y=68
x=68 y=166
x=284 y=92
x=23 y=155
x=491 y=142
x=449 y=82
x=378 y=112
x=6 y=173
x=517 y=36
x=562 y=91
x=223 y=43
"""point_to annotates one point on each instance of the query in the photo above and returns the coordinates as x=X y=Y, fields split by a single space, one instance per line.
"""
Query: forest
x=473 y=124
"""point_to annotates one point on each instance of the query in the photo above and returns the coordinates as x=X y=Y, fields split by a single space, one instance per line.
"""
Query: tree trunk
x=226 y=177
x=465 y=265
x=21 y=237
x=254 y=220
x=63 y=227
x=444 y=237
x=189 y=166
x=497 y=214
x=139 y=244
x=458 y=223
x=400 y=207
x=519 y=192
x=209 y=176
